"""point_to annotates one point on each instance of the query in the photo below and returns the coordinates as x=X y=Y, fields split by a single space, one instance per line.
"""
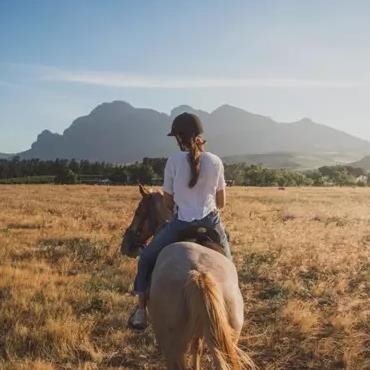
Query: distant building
x=94 y=180
x=362 y=179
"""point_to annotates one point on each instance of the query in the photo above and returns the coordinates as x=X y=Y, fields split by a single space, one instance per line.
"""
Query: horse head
x=149 y=216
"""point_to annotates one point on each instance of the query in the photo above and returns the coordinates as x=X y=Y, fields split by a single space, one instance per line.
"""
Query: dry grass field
x=302 y=256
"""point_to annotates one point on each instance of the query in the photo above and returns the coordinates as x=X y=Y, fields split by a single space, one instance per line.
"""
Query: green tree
x=140 y=173
x=65 y=176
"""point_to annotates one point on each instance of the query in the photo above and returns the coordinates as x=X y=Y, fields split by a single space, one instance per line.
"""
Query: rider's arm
x=221 y=187
x=221 y=198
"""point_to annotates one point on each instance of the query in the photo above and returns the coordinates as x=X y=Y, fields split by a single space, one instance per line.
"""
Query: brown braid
x=194 y=160
x=193 y=156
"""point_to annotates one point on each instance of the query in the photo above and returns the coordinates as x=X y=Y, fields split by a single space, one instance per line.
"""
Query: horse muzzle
x=130 y=247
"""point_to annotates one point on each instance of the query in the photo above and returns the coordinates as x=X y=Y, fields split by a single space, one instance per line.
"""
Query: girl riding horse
x=194 y=190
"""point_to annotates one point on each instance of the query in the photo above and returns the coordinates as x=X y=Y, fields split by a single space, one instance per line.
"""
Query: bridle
x=143 y=212
x=150 y=215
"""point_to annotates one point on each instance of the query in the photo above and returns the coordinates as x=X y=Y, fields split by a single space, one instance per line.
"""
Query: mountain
x=362 y=163
x=5 y=156
x=119 y=132
x=238 y=132
x=296 y=161
x=112 y=132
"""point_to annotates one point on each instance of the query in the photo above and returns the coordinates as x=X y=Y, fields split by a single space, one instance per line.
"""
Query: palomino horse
x=194 y=295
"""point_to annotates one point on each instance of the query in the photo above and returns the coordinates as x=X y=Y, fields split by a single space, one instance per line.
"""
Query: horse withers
x=194 y=296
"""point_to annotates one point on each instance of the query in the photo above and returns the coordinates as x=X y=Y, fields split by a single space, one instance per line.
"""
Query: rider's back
x=196 y=202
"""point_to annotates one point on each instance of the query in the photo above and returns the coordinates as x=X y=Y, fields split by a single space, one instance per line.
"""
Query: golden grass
x=302 y=256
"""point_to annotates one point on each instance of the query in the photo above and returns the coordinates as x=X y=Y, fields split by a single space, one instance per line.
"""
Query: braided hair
x=186 y=142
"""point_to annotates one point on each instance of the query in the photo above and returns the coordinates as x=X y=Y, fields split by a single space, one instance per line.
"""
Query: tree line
x=73 y=171
x=257 y=175
x=150 y=171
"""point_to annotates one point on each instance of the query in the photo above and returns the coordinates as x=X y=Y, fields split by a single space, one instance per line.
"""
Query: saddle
x=205 y=236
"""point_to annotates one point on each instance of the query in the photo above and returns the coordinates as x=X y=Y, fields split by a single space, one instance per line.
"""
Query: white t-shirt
x=197 y=202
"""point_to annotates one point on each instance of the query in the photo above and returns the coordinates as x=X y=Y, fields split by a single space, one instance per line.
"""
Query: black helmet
x=186 y=124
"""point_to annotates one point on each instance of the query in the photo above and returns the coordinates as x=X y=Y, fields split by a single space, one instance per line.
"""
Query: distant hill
x=296 y=161
x=119 y=132
x=363 y=163
x=112 y=132
x=5 y=156
x=238 y=132
x=271 y=160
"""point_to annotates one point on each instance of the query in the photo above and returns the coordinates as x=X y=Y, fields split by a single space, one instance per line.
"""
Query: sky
x=286 y=59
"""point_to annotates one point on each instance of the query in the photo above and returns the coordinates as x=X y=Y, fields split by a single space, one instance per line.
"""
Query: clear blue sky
x=287 y=59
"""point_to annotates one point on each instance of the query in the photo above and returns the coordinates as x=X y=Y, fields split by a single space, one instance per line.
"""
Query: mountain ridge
x=5 y=155
x=363 y=163
x=119 y=132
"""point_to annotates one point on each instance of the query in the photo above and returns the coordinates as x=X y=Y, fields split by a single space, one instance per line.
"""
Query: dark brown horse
x=149 y=217
x=194 y=295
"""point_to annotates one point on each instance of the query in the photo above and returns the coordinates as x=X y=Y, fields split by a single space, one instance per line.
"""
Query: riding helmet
x=186 y=124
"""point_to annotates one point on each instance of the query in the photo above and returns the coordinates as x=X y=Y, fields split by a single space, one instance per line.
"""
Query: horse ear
x=143 y=191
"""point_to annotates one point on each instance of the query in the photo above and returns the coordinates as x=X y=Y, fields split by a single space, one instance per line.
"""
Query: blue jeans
x=167 y=235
